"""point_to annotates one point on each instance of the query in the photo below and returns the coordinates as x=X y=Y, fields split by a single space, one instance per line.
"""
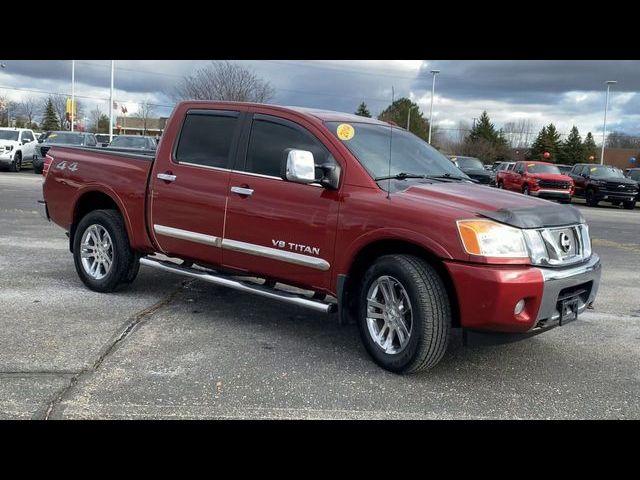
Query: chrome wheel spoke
x=96 y=253
x=389 y=317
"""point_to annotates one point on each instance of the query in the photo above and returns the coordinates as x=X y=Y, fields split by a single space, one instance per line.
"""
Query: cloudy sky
x=562 y=92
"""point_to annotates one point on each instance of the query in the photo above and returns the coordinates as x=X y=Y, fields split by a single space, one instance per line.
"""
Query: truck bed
x=121 y=175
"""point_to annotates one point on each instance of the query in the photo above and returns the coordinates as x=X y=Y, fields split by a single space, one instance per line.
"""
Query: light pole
x=73 y=92
x=604 y=127
x=433 y=91
x=111 y=106
x=4 y=65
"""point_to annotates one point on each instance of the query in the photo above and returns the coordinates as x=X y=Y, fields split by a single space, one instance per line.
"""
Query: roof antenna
x=390 y=143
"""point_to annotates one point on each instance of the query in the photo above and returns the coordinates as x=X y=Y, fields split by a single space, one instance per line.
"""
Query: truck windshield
x=67 y=138
x=371 y=144
x=542 y=168
x=9 y=135
x=468 y=163
x=604 y=171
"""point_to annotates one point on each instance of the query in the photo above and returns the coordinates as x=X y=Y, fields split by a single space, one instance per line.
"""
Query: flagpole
x=111 y=106
x=73 y=92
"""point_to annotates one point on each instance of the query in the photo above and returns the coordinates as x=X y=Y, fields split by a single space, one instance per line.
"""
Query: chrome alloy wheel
x=389 y=315
x=96 y=251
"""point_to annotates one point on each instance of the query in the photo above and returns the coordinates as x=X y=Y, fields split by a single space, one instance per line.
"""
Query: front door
x=275 y=228
x=189 y=190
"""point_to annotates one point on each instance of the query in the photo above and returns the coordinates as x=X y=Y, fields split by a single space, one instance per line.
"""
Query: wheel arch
x=368 y=253
x=91 y=200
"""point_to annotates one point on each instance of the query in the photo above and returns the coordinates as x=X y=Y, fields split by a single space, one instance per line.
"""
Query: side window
x=27 y=137
x=576 y=170
x=585 y=170
x=206 y=138
x=91 y=141
x=519 y=168
x=270 y=138
x=510 y=167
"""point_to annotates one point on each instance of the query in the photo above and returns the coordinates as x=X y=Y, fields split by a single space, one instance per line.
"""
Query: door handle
x=167 y=177
x=242 y=191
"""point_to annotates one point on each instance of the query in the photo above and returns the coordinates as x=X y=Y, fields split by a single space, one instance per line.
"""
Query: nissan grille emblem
x=565 y=242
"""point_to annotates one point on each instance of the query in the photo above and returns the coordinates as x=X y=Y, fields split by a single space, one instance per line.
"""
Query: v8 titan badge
x=345 y=131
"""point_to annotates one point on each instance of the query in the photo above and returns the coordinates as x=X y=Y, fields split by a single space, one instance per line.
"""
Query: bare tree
x=519 y=133
x=59 y=102
x=94 y=117
x=617 y=139
x=145 y=111
x=8 y=110
x=223 y=80
x=28 y=108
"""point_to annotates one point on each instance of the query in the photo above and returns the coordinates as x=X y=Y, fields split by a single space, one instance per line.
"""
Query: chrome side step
x=228 y=281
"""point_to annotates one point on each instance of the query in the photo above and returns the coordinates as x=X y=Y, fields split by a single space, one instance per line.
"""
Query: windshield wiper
x=447 y=175
x=401 y=176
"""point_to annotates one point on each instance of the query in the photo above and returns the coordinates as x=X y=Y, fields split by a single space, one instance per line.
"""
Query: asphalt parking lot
x=175 y=348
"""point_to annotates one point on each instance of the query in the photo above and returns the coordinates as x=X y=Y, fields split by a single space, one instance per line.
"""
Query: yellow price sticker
x=345 y=131
x=531 y=165
x=593 y=169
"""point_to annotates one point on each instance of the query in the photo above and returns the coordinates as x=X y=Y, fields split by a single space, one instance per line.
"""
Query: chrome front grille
x=558 y=246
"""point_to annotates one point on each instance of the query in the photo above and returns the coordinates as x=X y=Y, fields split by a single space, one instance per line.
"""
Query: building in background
x=136 y=126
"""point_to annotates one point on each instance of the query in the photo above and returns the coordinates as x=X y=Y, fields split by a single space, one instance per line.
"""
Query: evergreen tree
x=548 y=140
x=103 y=124
x=50 y=119
x=572 y=150
x=398 y=113
x=363 y=111
x=485 y=142
x=590 y=149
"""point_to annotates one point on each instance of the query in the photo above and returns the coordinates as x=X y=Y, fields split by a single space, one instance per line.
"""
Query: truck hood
x=502 y=206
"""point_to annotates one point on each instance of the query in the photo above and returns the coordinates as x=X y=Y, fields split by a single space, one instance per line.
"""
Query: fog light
x=519 y=307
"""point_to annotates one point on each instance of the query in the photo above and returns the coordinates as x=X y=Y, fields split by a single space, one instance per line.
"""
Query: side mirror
x=298 y=166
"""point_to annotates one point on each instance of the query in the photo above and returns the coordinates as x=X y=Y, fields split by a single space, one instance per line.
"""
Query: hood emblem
x=565 y=242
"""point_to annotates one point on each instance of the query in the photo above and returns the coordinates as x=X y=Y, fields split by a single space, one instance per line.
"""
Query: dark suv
x=607 y=183
x=473 y=167
x=65 y=138
x=634 y=174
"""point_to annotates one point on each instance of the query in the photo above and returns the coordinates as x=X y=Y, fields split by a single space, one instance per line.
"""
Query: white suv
x=17 y=147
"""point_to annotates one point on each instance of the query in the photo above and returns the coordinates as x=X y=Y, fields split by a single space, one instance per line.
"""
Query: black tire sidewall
x=401 y=361
x=121 y=267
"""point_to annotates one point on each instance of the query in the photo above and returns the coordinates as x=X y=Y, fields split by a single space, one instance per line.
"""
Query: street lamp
x=604 y=127
x=433 y=91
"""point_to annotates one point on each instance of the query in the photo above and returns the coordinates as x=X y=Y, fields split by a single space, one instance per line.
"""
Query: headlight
x=492 y=239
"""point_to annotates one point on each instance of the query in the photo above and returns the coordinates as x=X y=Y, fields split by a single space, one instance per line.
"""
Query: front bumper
x=550 y=193
x=6 y=158
x=487 y=295
x=616 y=196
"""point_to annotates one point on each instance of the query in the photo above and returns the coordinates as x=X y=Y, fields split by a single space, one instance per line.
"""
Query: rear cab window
x=207 y=137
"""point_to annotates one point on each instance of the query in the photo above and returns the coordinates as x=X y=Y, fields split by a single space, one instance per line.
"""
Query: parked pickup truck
x=540 y=179
x=368 y=220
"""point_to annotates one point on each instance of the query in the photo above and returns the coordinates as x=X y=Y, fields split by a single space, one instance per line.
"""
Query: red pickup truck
x=540 y=179
x=365 y=219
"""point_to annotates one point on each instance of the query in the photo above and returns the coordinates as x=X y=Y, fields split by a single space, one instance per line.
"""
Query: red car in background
x=540 y=179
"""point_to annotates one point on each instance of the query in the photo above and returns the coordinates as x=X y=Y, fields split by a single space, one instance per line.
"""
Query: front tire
x=525 y=190
x=16 y=165
x=590 y=197
x=404 y=314
x=630 y=205
x=103 y=258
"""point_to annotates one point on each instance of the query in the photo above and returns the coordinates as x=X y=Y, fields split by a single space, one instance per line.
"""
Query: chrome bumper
x=556 y=281
x=551 y=193
x=42 y=208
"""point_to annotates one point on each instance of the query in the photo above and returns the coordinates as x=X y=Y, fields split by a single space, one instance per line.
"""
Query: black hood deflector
x=552 y=215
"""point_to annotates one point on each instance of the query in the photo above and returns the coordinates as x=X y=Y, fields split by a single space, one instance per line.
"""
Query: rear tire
x=590 y=197
x=420 y=304
x=37 y=170
x=112 y=247
x=500 y=185
x=16 y=165
x=630 y=205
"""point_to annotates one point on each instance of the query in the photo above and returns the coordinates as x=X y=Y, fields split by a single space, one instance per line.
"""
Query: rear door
x=275 y=228
x=189 y=190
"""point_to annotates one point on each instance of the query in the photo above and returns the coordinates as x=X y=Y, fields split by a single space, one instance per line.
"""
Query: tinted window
x=519 y=168
x=9 y=135
x=469 y=163
x=268 y=143
x=206 y=139
x=91 y=141
x=635 y=175
x=27 y=137
x=585 y=170
x=65 y=138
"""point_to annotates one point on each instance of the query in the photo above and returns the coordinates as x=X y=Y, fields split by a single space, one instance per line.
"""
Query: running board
x=228 y=281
